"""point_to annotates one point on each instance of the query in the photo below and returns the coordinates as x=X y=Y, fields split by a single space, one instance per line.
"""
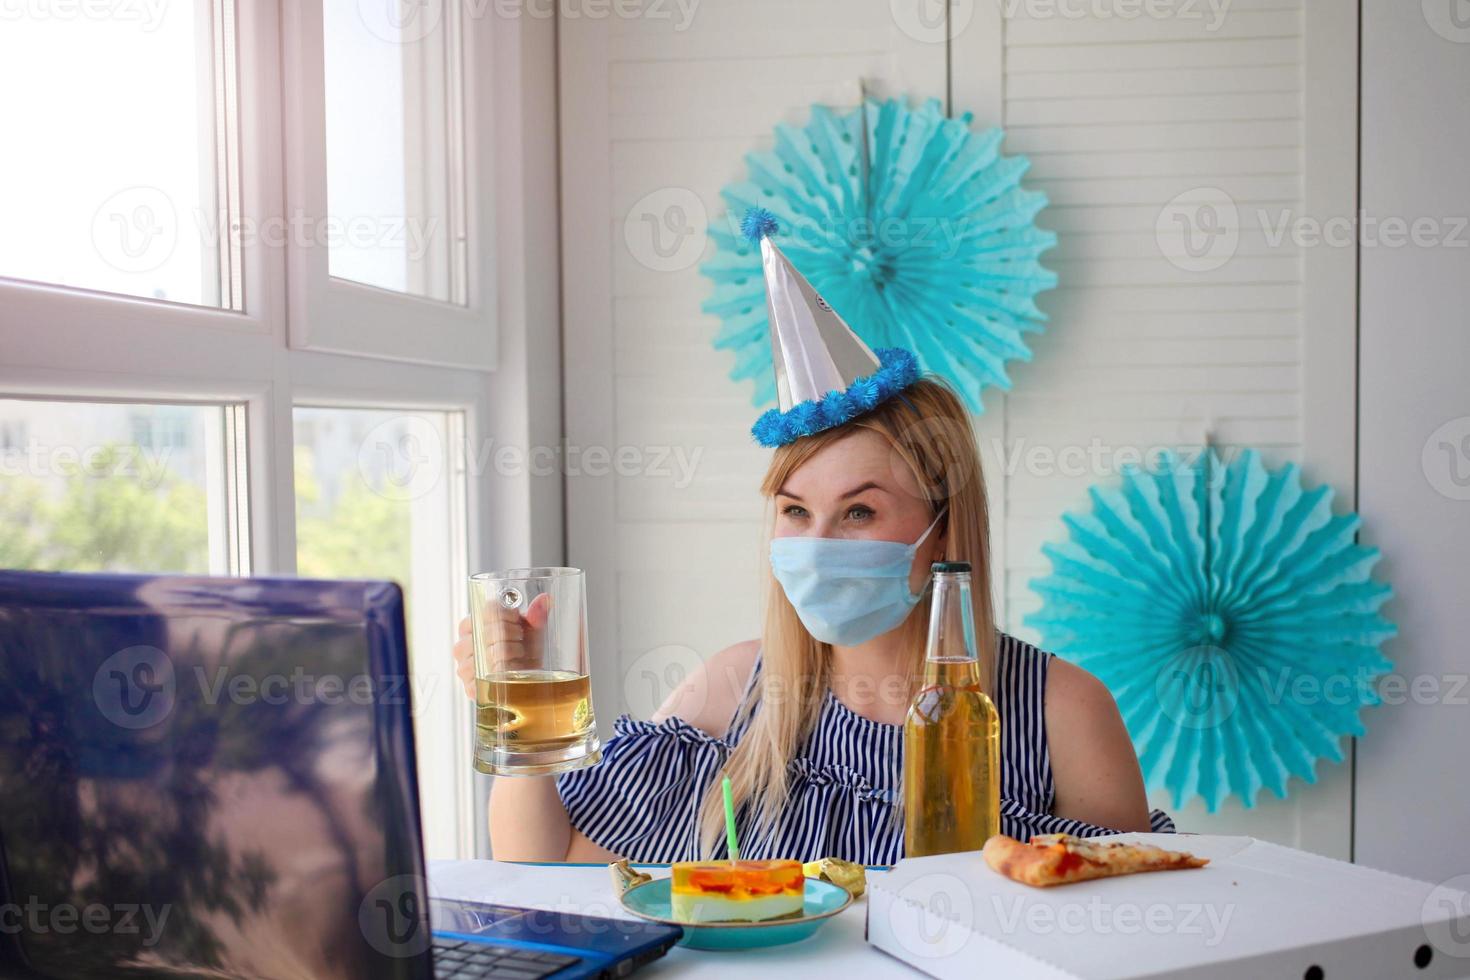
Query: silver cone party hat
x=812 y=347
x=825 y=374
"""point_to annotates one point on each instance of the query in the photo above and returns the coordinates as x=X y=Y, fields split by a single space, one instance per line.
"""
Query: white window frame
x=60 y=342
x=339 y=316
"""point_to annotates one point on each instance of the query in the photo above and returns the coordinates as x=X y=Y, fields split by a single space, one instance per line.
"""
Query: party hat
x=825 y=374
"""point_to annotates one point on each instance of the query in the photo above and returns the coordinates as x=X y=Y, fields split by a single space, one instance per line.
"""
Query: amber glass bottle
x=951 y=737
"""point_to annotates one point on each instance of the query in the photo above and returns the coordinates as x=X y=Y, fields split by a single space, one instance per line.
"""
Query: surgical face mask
x=847 y=591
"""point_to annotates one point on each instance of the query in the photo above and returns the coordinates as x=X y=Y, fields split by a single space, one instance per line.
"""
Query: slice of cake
x=737 y=891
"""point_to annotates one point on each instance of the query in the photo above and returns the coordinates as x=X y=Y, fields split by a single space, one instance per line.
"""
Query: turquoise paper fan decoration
x=913 y=227
x=1231 y=615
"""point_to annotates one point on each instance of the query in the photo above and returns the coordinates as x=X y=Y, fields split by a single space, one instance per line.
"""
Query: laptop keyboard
x=456 y=959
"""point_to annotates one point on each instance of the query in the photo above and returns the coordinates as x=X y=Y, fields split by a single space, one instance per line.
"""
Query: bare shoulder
x=1081 y=715
x=708 y=697
x=1093 y=761
x=1071 y=691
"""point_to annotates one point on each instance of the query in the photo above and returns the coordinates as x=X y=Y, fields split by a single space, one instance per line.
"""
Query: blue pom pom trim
x=758 y=223
x=897 y=370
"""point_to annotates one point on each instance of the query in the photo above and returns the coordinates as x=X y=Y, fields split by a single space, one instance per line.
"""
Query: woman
x=807 y=720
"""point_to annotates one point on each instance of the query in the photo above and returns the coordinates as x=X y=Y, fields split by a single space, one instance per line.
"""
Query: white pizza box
x=1257 y=910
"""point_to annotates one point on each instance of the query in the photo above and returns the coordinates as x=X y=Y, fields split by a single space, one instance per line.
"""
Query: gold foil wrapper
x=853 y=877
x=624 y=877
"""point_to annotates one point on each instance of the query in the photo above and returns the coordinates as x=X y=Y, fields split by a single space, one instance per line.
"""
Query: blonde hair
x=928 y=429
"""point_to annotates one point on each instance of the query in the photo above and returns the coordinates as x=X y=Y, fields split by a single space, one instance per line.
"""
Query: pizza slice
x=1058 y=859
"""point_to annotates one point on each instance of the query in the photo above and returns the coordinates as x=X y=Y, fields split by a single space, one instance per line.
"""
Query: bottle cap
x=949 y=567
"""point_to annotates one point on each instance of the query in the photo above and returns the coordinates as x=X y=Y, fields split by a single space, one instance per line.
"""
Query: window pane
x=378 y=495
x=109 y=180
x=394 y=185
x=87 y=487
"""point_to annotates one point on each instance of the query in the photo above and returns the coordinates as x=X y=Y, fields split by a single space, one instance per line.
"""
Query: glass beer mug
x=533 y=694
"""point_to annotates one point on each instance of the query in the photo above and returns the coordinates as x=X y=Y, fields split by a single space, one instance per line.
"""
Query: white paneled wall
x=1149 y=344
x=1119 y=116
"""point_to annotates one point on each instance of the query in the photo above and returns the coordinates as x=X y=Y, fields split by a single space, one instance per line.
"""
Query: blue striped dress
x=642 y=800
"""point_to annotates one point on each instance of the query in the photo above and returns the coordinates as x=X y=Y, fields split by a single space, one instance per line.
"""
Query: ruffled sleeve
x=835 y=810
x=642 y=800
x=846 y=779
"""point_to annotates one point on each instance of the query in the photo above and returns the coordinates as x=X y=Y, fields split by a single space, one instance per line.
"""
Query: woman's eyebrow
x=870 y=485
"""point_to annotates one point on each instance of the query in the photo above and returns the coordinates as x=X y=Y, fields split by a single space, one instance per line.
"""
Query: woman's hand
x=464 y=657
x=527 y=819
x=514 y=641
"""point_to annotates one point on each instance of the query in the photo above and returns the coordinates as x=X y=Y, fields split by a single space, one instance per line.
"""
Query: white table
x=837 y=949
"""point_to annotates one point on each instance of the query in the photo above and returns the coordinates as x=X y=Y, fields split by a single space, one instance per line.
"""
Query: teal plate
x=650 y=900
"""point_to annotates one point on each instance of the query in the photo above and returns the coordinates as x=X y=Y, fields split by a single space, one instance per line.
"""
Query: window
x=208 y=368
x=394 y=152
x=392 y=254
x=88 y=486
x=148 y=222
x=378 y=496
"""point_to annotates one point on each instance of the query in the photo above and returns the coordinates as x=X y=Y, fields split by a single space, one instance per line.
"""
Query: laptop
x=215 y=778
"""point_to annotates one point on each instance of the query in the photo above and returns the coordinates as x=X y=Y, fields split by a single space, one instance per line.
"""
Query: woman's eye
x=792 y=510
x=859 y=513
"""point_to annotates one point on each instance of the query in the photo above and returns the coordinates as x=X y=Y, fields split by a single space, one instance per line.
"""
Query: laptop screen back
x=208 y=777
